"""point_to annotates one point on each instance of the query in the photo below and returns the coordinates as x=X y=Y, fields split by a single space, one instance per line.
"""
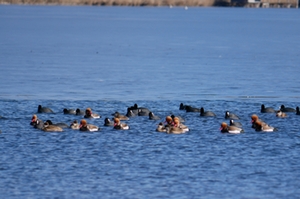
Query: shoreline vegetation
x=169 y=3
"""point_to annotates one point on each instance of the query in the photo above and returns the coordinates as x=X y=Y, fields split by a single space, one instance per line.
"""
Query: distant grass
x=115 y=2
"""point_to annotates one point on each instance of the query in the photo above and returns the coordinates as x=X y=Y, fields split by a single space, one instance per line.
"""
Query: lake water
x=109 y=58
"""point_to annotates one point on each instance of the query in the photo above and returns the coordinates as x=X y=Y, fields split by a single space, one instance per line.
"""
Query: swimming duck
x=61 y=125
x=141 y=111
x=255 y=119
x=120 y=126
x=89 y=114
x=37 y=123
x=120 y=116
x=153 y=117
x=84 y=126
x=264 y=109
x=206 y=113
x=179 y=125
x=231 y=116
x=69 y=111
x=51 y=128
x=286 y=109
x=108 y=122
x=264 y=127
x=230 y=129
x=75 y=125
x=279 y=113
x=44 y=109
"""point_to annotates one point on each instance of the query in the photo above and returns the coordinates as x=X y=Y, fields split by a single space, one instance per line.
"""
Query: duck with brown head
x=90 y=114
x=84 y=126
x=230 y=129
x=120 y=126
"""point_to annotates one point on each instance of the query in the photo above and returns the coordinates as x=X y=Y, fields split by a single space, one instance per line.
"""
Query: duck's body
x=120 y=116
x=230 y=129
x=179 y=125
x=281 y=114
x=44 y=109
x=206 y=113
x=231 y=116
x=140 y=111
x=286 y=109
x=69 y=111
x=175 y=130
x=120 y=126
x=61 y=125
x=153 y=117
x=51 y=128
x=90 y=114
x=84 y=126
x=264 y=127
x=264 y=109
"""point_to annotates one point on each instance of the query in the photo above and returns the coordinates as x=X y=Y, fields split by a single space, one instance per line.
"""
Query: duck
x=79 y=112
x=108 y=122
x=120 y=126
x=233 y=123
x=255 y=119
x=90 y=114
x=231 y=116
x=206 y=113
x=51 y=128
x=179 y=125
x=44 y=109
x=161 y=128
x=84 y=126
x=153 y=117
x=286 y=109
x=230 y=129
x=120 y=116
x=260 y=126
x=75 y=125
x=264 y=109
x=69 y=111
x=61 y=125
x=297 y=110
x=281 y=114
x=37 y=123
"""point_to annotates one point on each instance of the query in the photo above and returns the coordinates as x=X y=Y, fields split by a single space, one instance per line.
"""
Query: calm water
x=109 y=58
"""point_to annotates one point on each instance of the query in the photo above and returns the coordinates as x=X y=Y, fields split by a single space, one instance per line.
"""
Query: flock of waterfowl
x=171 y=125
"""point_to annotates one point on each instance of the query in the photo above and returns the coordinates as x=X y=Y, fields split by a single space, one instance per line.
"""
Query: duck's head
x=83 y=123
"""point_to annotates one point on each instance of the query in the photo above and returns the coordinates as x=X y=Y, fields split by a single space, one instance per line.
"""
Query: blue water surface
x=109 y=58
